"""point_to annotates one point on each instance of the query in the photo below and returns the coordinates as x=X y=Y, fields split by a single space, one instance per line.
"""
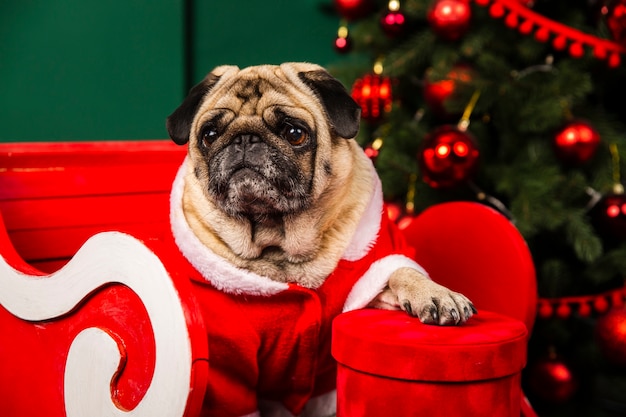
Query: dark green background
x=114 y=69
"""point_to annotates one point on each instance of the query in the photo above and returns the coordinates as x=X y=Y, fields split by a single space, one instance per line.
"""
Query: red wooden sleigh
x=137 y=342
x=95 y=320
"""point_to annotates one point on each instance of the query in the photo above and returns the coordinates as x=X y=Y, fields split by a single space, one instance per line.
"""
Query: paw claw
x=407 y=307
x=455 y=315
x=434 y=314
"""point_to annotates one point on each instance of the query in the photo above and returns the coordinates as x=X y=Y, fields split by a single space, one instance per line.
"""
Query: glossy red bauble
x=616 y=20
x=343 y=45
x=436 y=93
x=609 y=215
x=450 y=19
x=353 y=9
x=448 y=157
x=611 y=335
x=373 y=94
x=393 y=23
x=552 y=380
x=576 y=143
x=394 y=211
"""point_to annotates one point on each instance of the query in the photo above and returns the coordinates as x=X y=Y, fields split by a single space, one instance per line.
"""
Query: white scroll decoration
x=94 y=356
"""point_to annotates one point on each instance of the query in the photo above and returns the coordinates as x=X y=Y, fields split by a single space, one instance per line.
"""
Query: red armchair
x=475 y=250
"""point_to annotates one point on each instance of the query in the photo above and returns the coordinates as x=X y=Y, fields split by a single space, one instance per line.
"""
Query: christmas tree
x=517 y=104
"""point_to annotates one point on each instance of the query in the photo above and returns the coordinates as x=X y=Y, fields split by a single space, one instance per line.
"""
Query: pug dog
x=280 y=214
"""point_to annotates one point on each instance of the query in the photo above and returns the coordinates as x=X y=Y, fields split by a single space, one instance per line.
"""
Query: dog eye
x=295 y=135
x=208 y=135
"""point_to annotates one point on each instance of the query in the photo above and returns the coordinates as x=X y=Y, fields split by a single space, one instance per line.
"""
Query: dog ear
x=178 y=123
x=344 y=113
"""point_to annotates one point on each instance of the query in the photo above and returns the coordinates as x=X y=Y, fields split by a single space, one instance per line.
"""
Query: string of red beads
x=517 y=15
x=564 y=307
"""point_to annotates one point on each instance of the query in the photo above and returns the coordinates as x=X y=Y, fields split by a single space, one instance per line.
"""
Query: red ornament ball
x=551 y=379
x=393 y=23
x=450 y=19
x=437 y=92
x=371 y=152
x=406 y=221
x=343 y=44
x=394 y=211
x=576 y=143
x=611 y=335
x=448 y=157
x=609 y=215
x=353 y=9
x=616 y=20
x=373 y=93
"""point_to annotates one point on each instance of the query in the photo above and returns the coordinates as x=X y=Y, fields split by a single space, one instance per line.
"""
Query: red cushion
x=395 y=345
x=389 y=363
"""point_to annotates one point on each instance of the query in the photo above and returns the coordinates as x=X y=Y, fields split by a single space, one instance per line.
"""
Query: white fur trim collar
x=227 y=277
x=374 y=281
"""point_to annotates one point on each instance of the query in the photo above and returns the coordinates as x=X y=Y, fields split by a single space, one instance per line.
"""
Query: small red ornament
x=448 y=157
x=551 y=379
x=609 y=215
x=373 y=94
x=343 y=44
x=371 y=152
x=450 y=19
x=616 y=20
x=611 y=335
x=393 y=23
x=406 y=221
x=576 y=143
x=394 y=211
x=437 y=92
x=353 y=9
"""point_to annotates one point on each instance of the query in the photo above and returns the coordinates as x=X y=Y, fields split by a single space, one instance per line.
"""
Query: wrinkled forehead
x=248 y=96
x=254 y=91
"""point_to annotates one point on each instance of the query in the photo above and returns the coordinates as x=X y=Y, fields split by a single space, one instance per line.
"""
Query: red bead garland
x=564 y=307
x=516 y=14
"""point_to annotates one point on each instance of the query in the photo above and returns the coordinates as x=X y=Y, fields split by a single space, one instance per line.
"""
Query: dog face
x=264 y=140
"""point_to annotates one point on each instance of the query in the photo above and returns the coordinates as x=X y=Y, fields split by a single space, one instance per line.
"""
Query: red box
x=390 y=364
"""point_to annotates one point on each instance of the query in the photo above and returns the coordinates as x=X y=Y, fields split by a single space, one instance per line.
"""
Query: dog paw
x=432 y=303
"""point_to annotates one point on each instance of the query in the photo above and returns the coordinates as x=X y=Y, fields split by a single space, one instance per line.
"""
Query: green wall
x=252 y=32
x=114 y=69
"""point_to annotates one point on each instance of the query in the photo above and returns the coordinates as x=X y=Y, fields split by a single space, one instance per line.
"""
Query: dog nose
x=246 y=139
x=249 y=148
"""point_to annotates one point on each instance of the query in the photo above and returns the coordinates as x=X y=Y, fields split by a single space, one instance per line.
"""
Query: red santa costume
x=269 y=342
